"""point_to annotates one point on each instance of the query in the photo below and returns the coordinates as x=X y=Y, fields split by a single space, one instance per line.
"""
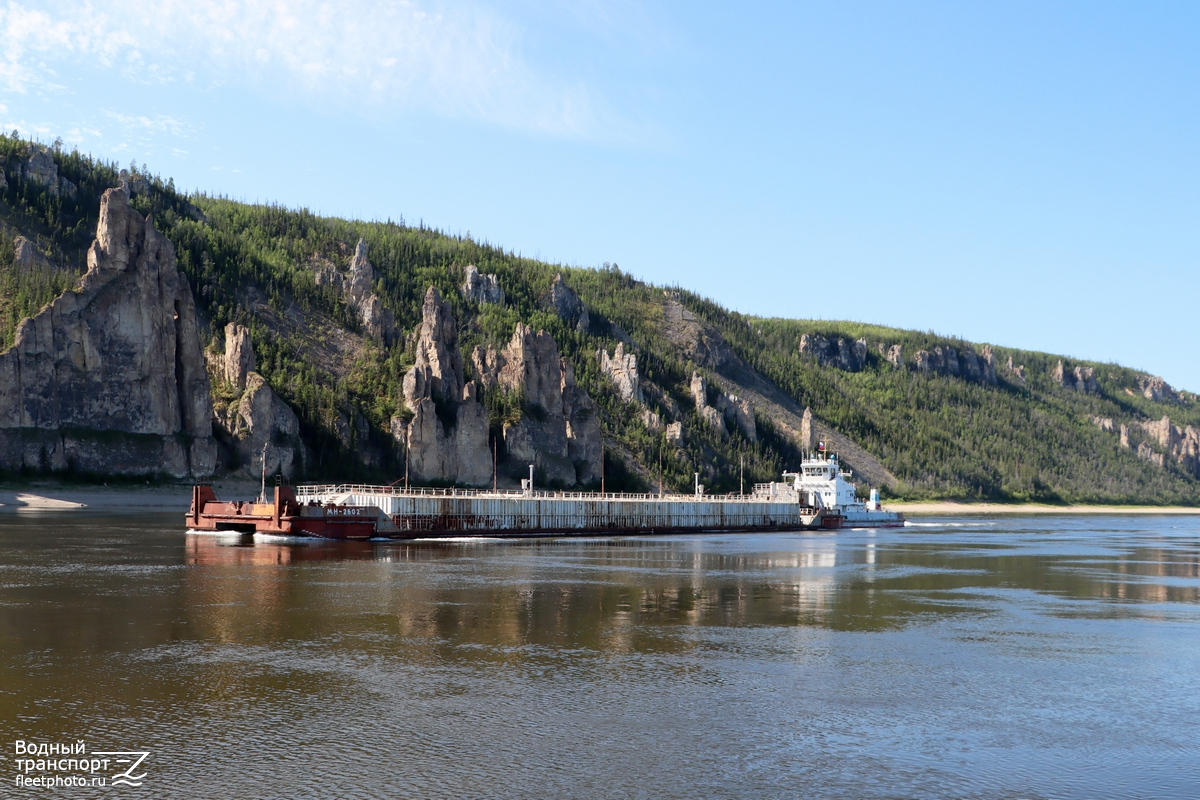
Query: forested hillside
x=918 y=415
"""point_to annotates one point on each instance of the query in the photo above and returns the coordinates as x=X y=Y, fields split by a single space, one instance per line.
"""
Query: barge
x=363 y=512
x=817 y=498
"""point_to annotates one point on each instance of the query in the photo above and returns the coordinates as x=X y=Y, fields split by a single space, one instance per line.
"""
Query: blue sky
x=1024 y=174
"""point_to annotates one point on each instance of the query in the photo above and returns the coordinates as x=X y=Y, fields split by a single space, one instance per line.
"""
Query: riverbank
x=169 y=497
x=953 y=508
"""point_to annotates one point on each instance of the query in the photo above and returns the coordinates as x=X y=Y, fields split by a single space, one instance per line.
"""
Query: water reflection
x=863 y=663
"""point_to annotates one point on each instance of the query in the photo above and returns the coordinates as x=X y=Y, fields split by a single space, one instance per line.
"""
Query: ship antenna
x=262 y=495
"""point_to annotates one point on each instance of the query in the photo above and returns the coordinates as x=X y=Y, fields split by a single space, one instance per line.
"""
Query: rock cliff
x=841 y=353
x=239 y=355
x=726 y=410
x=621 y=367
x=262 y=426
x=1016 y=374
x=1156 y=389
x=564 y=302
x=893 y=354
x=447 y=437
x=357 y=286
x=1081 y=379
x=110 y=376
x=38 y=167
x=481 y=288
x=560 y=432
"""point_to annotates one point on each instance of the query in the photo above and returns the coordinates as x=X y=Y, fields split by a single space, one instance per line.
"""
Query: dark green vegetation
x=939 y=436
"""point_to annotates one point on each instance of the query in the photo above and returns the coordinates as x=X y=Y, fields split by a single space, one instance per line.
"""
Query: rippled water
x=992 y=657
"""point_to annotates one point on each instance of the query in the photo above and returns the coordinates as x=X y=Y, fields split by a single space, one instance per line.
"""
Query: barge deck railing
x=308 y=491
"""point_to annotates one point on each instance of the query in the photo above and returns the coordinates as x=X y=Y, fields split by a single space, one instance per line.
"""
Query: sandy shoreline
x=112 y=498
x=178 y=498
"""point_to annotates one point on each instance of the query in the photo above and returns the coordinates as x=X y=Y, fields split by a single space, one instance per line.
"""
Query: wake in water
x=911 y=524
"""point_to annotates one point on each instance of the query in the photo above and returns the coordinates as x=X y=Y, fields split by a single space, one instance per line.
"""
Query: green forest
x=941 y=436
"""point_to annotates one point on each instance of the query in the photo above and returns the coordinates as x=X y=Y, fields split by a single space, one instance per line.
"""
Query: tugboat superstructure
x=822 y=483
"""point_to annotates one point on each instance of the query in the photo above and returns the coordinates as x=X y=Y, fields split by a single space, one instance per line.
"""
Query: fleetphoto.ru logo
x=51 y=764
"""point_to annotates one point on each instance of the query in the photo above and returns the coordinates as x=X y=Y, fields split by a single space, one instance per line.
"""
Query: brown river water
x=991 y=657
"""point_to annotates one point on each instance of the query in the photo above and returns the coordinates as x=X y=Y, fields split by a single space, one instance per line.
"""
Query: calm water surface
x=991 y=657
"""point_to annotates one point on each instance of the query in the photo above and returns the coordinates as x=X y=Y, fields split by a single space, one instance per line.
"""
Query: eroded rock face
x=1181 y=445
x=447 y=437
x=438 y=371
x=357 y=286
x=1178 y=445
x=582 y=417
x=118 y=361
x=895 y=356
x=532 y=367
x=567 y=304
x=1016 y=374
x=987 y=363
x=674 y=434
x=622 y=369
x=481 y=288
x=840 y=352
x=239 y=355
x=806 y=431
x=24 y=255
x=39 y=168
x=560 y=431
x=265 y=427
x=1081 y=379
x=727 y=410
x=1156 y=389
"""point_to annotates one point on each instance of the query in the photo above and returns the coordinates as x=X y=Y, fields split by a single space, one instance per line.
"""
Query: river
x=992 y=657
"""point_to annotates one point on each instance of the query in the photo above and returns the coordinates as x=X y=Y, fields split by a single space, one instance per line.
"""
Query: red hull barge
x=284 y=516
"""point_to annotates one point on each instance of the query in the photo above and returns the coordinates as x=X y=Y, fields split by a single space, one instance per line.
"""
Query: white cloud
x=371 y=55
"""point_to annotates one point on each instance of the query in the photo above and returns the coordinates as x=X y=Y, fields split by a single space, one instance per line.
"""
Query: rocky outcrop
x=134 y=183
x=674 y=434
x=481 y=288
x=1146 y=453
x=564 y=302
x=708 y=413
x=24 y=254
x=585 y=442
x=1175 y=444
x=893 y=354
x=110 y=377
x=266 y=430
x=238 y=362
x=840 y=352
x=987 y=365
x=940 y=360
x=356 y=285
x=38 y=167
x=1181 y=445
x=1156 y=389
x=621 y=367
x=1081 y=379
x=1015 y=374
x=726 y=408
x=958 y=363
x=560 y=431
x=806 y=431
x=446 y=438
